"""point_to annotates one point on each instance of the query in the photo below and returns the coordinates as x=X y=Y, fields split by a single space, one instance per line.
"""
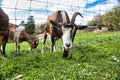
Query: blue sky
x=0 y=2
x=40 y=9
x=95 y=3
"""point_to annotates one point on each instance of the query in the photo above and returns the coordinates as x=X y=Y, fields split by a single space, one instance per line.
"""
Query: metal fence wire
x=40 y=9
x=33 y=7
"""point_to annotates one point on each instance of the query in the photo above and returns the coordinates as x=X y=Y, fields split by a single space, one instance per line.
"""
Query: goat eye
x=68 y=26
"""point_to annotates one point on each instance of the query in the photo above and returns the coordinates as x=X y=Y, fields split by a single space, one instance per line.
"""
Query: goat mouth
x=67 y=48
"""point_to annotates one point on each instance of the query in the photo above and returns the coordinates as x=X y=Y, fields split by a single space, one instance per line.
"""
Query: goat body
x=59 y=26
x=4 y=21
x=19 y=34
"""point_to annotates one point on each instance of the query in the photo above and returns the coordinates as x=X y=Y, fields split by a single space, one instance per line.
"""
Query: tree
x=110 y=19
x=30 y=19
x=39 y=28
x=22 y=23
x=91 y=23
x=30 y=25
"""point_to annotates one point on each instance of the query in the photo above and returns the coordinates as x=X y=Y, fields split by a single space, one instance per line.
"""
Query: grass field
x=95 y=57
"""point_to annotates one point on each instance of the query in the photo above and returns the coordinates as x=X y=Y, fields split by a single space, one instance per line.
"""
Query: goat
x=4 y=22
x=19 y=34
x=59 y=26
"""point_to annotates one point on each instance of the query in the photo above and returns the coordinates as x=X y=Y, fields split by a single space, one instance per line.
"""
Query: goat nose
x=67 y=44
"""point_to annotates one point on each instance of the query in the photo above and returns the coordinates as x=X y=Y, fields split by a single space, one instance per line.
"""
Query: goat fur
x=54 y=25
x=18 y=34
x=4 y=22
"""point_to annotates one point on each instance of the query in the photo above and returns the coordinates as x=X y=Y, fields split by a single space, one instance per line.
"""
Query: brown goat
x=59 y=26
x=19 y=34
x=4 y=22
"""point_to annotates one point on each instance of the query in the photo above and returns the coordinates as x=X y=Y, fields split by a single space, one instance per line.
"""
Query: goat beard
x=67 y=54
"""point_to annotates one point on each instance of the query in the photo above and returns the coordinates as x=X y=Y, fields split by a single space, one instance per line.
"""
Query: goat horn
x=74 y=16
x=65 y=17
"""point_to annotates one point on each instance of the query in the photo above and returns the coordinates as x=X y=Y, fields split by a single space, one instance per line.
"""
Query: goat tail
x=74 y=16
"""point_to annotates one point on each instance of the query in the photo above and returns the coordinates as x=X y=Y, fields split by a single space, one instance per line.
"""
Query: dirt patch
x=41 y=36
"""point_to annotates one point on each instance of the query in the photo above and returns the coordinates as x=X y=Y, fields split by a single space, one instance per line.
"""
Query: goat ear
x=81 y=26
x=55 y=24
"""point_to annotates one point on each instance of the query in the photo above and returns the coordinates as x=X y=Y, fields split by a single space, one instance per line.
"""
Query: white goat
x=58 y=25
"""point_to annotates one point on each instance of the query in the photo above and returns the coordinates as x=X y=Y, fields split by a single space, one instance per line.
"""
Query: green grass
x=95 y=57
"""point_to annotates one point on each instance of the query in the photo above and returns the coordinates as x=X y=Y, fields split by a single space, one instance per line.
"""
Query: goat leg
x=45 y=37
x=53 y=43
x=5 y=39
x=4 y=45
x=17 y=45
